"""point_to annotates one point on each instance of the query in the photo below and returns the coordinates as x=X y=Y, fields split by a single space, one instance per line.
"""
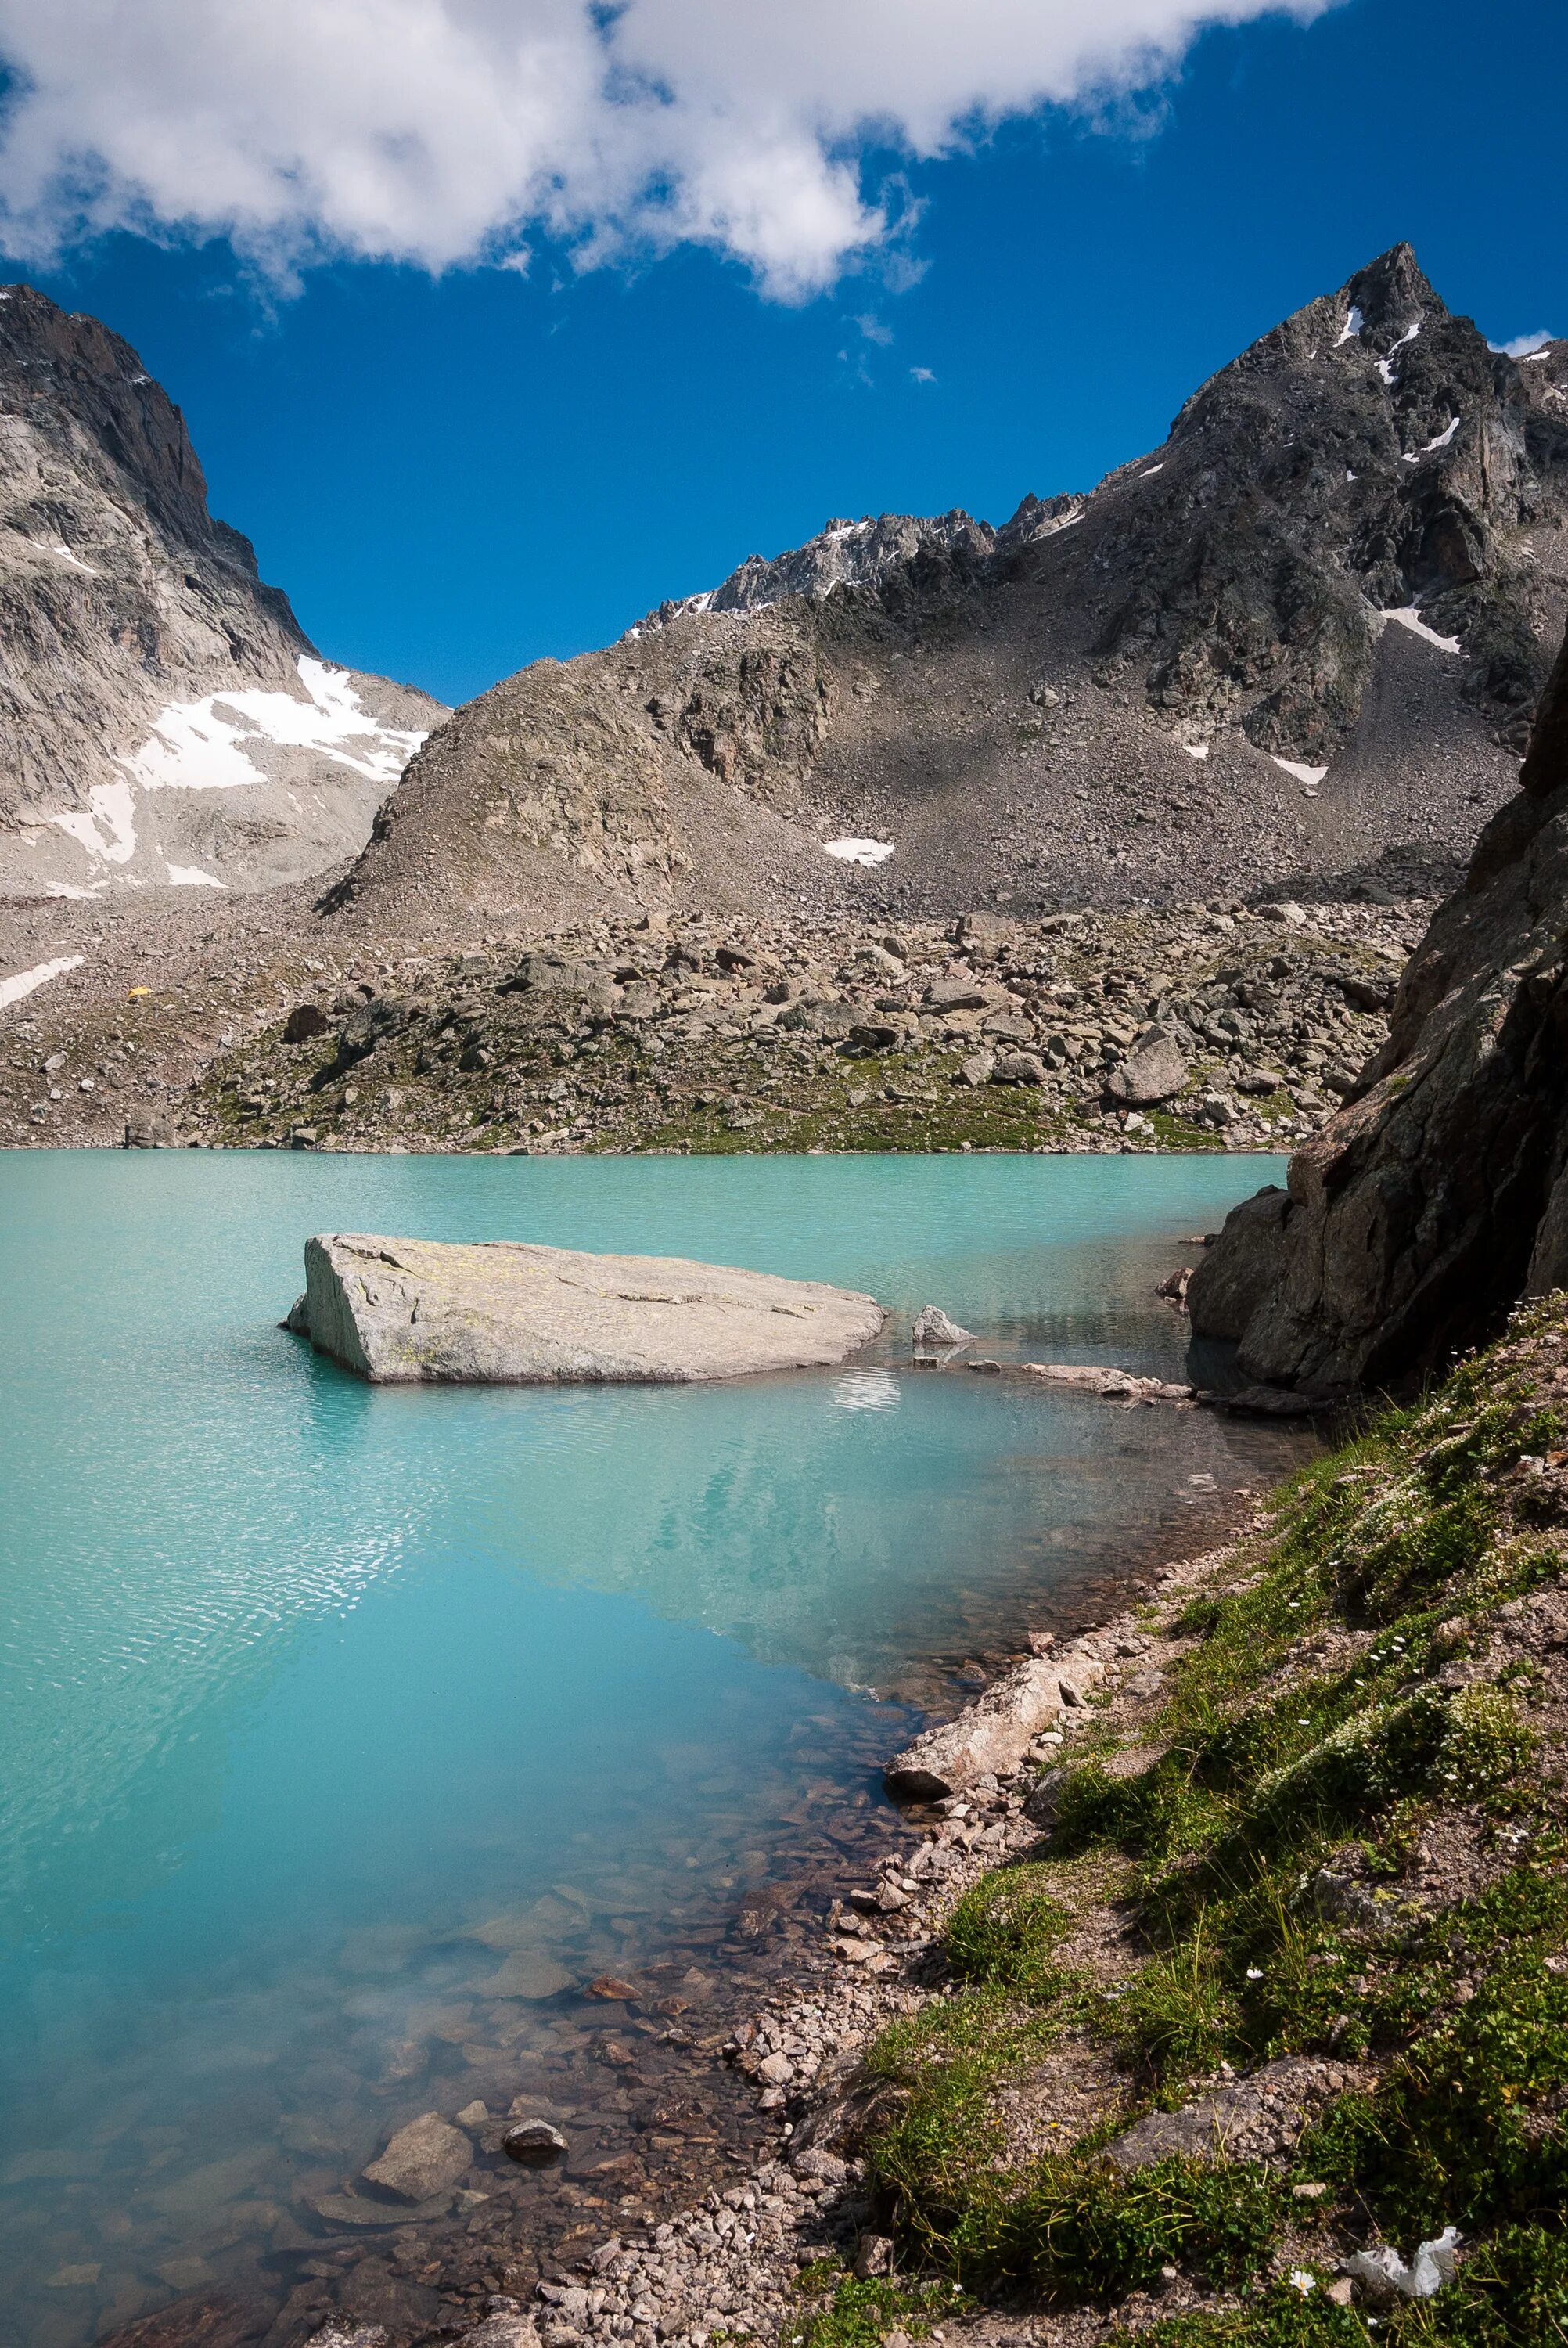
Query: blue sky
x=453 y=473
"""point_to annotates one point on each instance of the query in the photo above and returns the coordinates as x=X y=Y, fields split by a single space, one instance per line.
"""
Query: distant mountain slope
x=163 y=717
x=1302 y=636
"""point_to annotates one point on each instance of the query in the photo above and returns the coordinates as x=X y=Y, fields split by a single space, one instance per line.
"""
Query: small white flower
x=1300 y=2279
x=1254 y=1973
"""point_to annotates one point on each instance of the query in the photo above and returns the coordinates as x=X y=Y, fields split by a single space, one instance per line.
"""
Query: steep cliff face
x=162 y=715
x=1301 y=638
x=1440 y=1194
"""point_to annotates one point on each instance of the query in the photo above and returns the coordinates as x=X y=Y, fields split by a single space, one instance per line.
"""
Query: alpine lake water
x=346 y=1734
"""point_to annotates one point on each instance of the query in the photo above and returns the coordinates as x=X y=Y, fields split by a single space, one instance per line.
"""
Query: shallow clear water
x=302 y=1683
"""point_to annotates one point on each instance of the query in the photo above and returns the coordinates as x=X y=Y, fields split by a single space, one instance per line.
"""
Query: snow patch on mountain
x=27 y=981
x=1311 y=776
x=207 y=746
x=1409 y=617
x=858 y=851
x=106 y=828
x=193 y=747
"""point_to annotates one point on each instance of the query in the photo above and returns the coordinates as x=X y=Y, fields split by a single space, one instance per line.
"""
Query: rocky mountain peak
x=855 y=554
x=1303 y=635
x=85 y=394
x=164 y=720
x=1392 y=293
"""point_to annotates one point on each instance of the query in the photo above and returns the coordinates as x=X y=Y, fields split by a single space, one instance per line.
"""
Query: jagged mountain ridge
x=1092 y=702
x=129 y=620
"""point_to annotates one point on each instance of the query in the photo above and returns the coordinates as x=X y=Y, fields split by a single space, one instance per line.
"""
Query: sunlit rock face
x=164 y=720
x=1300 y=639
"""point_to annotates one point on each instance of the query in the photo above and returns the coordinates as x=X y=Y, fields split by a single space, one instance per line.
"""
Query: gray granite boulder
x=1155 y=1071
x=993 y=1734
x=1226 y=1289
x=506 y=1312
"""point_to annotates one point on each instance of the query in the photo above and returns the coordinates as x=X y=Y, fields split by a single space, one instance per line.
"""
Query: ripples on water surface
x=303 y=1685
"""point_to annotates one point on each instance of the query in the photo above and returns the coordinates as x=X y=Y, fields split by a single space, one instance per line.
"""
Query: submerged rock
x=423 y=2160
x=530 y=1977
x=534 y=2144
x=509 y=1311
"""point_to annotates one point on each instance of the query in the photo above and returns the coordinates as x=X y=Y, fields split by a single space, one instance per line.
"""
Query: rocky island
x=400 y=1312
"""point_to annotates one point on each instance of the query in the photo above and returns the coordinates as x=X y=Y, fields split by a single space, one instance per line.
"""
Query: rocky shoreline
x=1235 y=2011
x=801 y=1965
x=743 y=2262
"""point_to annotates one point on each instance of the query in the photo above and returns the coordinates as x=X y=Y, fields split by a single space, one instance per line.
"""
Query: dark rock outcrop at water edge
x=1440 y=1194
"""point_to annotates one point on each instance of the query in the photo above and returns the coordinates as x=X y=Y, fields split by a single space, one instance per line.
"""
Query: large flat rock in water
x=399 y=1310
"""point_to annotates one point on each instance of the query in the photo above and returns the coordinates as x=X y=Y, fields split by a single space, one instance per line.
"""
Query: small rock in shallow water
x=933 y=1327
x=534 y=2143
x=348 y=2209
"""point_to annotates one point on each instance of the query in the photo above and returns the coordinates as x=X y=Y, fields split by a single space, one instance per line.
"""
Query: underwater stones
x=528 y=1974
x=209 y=2319
x=349 y=2209
x=506 y=1311
x=422 y=2161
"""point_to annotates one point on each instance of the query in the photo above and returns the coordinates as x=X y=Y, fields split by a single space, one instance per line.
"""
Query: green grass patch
x=857 y=2312
x=1003 y=1933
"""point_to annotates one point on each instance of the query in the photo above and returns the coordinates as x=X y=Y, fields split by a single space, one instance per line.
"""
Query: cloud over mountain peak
x=444 y=132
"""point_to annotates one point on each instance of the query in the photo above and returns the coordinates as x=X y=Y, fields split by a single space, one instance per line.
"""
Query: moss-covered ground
x=1342 y=1836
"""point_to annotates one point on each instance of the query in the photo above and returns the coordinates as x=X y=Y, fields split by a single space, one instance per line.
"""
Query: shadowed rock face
x=1440 y=1194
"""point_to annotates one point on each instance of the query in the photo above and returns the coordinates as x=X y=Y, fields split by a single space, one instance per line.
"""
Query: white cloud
x=442 y=131
x=1522 y=344
x=921 y=375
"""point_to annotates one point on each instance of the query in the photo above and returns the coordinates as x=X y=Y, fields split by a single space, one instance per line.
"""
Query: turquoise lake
x=304 y=1683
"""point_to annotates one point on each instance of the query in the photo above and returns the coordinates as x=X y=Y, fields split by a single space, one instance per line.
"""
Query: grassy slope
x=1372 y=1683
